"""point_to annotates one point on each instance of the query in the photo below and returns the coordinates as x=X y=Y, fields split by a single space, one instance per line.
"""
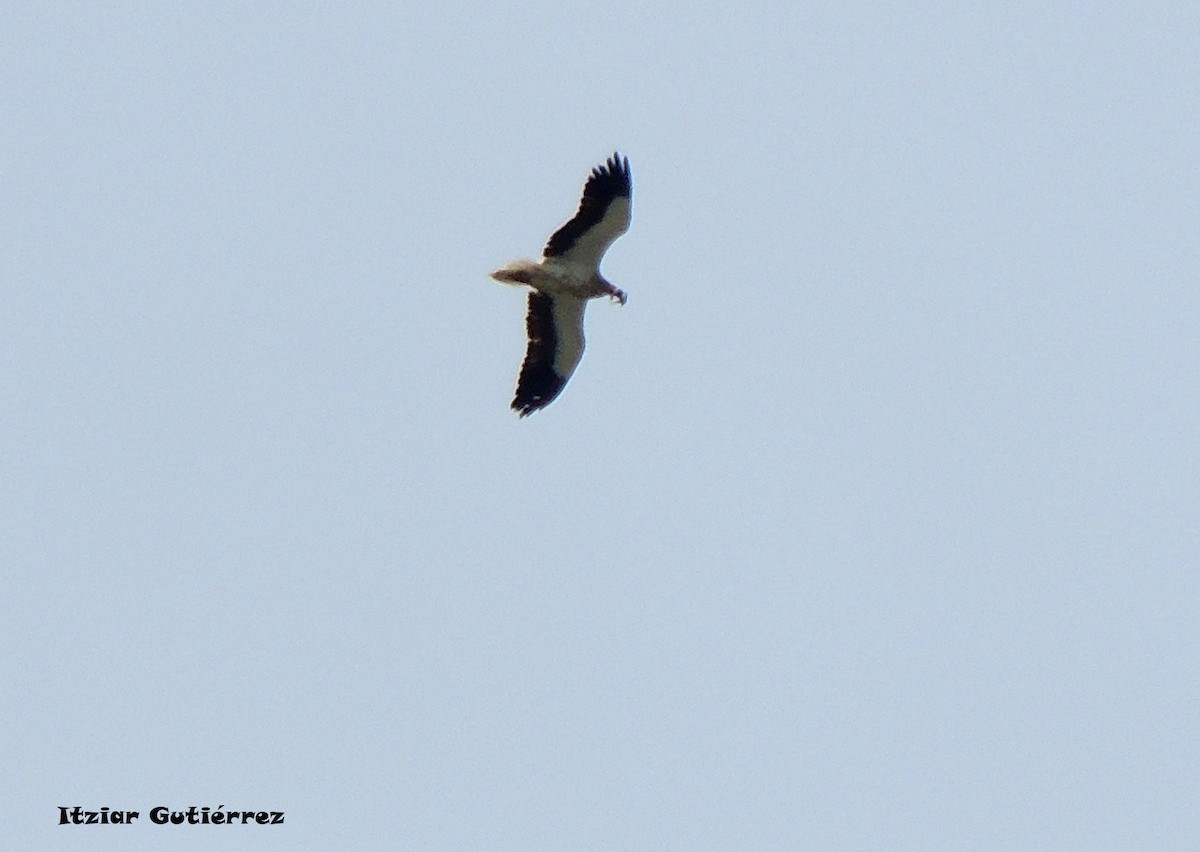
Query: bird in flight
x=562 y=282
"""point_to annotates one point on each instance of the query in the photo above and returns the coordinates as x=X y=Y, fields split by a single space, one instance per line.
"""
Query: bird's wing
x=555 y=328
x=603 y=216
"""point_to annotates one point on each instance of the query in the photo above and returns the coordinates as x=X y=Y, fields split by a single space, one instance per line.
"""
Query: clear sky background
x=870 y=522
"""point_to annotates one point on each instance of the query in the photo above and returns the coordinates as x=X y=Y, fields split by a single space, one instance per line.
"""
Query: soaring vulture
x=562 y=282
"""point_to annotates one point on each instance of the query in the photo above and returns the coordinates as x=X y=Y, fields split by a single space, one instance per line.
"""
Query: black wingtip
x=527 y=401
x=615 y=169
x=538 y=386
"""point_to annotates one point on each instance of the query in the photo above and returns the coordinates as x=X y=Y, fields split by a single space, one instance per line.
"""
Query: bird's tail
x=517 y=272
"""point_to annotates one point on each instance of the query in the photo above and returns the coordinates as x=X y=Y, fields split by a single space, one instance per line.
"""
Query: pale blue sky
x=869 y=523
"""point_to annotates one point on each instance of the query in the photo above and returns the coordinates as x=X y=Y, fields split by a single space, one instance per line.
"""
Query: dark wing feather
x=538 y=384
x=555 y=329
x=606 y=184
